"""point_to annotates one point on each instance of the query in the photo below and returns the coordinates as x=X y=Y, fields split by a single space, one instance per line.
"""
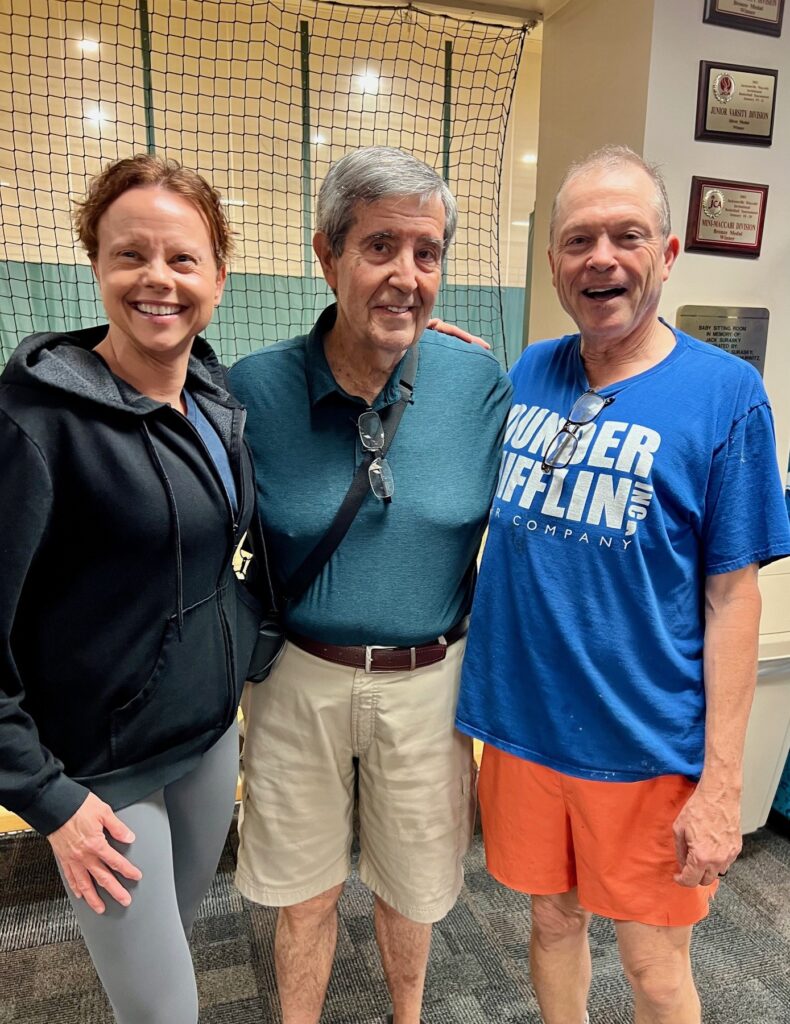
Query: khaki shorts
x=303 y=726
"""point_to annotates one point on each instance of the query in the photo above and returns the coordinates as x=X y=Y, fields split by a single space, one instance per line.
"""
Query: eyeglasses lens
x=586 y=408
x=382 y=483
x=371 y=431
x=561 y=450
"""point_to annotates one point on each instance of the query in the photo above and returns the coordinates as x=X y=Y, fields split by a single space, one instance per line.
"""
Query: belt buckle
x=370 y=648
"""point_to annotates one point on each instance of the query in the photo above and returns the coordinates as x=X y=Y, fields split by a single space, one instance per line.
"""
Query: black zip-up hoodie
x=124 y=634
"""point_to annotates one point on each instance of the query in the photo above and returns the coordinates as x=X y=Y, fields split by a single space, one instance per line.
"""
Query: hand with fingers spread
x=86 y=857
x=435 y=324
x=707 y=836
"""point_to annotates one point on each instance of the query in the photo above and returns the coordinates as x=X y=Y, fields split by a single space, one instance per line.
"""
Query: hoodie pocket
x=187 y=694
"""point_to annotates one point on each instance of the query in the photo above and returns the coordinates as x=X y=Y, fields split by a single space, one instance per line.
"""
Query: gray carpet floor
x=477 y=970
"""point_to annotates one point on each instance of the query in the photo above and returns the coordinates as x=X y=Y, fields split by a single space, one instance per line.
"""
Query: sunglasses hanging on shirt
x=373 y=472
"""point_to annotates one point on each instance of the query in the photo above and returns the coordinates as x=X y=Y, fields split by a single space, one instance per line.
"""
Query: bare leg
x=658 y=967
x=304 y=948
x=559 y=957
x=404 y=947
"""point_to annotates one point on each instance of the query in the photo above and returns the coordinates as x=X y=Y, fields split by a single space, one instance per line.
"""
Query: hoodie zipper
x=171 y=500
x=238 y=417
x=235 y=462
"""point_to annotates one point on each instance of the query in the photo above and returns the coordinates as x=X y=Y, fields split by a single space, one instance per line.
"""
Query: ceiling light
x=88 y=45
x=318 y=139
x=369 y=81
x=520 y=223
x=233 y=202
x=95 y=115
x=529 y=158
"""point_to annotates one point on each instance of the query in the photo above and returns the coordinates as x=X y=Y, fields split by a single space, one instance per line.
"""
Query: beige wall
x=594 y=80
x=517 y=197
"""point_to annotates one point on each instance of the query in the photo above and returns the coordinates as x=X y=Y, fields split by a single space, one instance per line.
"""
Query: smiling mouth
x=602 y=294
x=398 y=309
x=156 y=308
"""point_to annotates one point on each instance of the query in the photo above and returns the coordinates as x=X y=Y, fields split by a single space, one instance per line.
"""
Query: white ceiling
x=521 y=9
x=518 y=7
x=510 y=10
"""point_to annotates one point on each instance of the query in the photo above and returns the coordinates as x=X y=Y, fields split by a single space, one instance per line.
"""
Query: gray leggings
x=141 y=952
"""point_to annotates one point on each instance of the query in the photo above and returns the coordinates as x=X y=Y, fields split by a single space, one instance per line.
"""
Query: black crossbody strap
x=344 y=517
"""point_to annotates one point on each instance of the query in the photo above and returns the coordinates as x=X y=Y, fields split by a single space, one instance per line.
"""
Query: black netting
x=260 y=98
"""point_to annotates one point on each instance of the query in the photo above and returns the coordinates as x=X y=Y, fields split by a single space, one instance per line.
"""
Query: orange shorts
x=548 y=833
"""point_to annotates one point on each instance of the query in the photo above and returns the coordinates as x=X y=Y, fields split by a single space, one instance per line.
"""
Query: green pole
x=447 y=109
x=307 y=171
x=447 y=114
x=148 y=93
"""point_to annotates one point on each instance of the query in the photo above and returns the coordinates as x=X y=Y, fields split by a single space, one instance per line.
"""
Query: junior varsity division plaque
x=735 y=103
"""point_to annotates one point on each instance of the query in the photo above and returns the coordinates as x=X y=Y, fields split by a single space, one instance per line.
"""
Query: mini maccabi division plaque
x=751 y=15
x=741 y=330
x=726 y=217
x=735 y=103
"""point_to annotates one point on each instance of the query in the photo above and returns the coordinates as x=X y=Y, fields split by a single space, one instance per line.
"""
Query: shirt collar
x=320 y=379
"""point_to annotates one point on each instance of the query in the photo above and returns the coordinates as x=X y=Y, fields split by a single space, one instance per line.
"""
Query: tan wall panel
x=49 y=88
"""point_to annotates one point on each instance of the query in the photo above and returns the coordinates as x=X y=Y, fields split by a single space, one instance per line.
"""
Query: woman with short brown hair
x=125 y=636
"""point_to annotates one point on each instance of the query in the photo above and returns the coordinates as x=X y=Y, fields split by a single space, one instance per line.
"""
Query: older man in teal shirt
x=367 y=685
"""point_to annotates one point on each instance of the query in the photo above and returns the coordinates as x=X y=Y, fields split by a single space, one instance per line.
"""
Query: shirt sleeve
x=32 y=783
x=745 y=517
x=497 y=405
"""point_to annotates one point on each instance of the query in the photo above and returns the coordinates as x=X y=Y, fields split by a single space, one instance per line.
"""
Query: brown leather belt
x=375 y=658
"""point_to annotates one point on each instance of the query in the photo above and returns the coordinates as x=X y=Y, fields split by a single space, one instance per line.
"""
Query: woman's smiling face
x=156 y=270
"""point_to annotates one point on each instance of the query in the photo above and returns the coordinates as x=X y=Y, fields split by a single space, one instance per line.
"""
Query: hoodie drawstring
x=171 y=499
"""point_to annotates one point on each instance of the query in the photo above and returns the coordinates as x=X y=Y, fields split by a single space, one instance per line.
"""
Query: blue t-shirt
x=585 y=650
x=401 y=575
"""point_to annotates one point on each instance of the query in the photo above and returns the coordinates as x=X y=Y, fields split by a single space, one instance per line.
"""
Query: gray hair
x=373 y=173
x=608 y=157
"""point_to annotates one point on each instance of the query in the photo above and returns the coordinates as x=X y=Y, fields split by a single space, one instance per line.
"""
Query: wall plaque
x=726 y=217
x=735 y=103
x=751 y=15
x=741 y=330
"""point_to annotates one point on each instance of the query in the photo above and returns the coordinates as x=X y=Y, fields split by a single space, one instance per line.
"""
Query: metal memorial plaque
x=740 y=330
x=735 y=103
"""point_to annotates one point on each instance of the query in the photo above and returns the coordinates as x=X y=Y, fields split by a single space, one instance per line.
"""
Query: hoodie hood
x=66 y=362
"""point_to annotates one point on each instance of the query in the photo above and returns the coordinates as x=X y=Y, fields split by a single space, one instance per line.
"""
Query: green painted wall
x=256 y=309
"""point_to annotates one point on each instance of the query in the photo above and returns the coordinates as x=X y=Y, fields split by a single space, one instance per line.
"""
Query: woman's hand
x=86 y=857
x=435 y=324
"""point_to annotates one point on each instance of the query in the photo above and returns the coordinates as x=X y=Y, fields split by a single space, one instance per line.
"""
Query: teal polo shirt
x=402 y=573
